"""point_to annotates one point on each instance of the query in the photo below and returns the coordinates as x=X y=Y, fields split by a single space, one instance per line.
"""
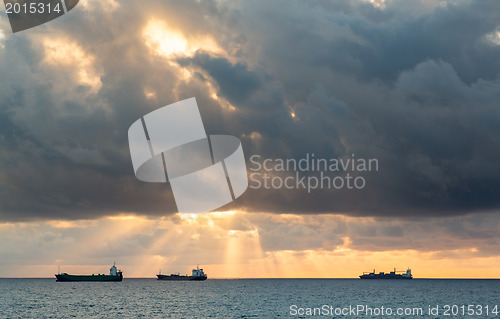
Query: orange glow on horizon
x=226 y=245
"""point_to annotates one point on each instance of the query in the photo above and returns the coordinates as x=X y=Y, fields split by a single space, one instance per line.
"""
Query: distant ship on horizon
x=392 y=275
x=114 y=275
x=196 y=274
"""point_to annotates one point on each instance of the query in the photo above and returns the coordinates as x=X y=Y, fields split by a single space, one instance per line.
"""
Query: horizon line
x=236 y=278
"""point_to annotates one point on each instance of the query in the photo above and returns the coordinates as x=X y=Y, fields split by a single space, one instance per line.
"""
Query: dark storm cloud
x=414 y=86
x=235 y=82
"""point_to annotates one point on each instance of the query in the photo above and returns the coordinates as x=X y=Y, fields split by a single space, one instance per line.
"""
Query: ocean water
x=250 y=298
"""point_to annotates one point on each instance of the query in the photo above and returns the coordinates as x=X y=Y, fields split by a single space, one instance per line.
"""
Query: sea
x=251 y=298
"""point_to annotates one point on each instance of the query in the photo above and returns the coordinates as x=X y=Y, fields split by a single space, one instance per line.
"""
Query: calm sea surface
x=249 y=298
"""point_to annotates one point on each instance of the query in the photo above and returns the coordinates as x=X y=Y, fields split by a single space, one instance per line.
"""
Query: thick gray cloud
x=414 y=86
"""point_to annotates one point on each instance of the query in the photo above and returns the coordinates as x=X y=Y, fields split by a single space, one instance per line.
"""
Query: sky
x=414 y=85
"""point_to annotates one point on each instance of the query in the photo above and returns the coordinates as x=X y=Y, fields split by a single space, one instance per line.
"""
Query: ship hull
x=181 y=278
x=384 y=277
x=71 y=278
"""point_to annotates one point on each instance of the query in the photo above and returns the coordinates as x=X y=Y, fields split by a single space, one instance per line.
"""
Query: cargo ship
x=196 y=274
x=114 y=275
x=392 y=275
